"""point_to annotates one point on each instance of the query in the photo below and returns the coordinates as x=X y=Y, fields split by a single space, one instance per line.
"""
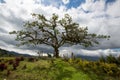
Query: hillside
x=90 y=58
x=5 y=53
x=21 y=68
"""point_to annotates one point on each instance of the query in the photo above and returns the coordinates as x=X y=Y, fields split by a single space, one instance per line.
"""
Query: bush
x=16 y=64
x=111 y=59
x=110 y=69
x=21 y=58
x=3 y=66
x=102 y=59
x=118 y=60
x=17 y=59
x=31 y=59
x=10 y=62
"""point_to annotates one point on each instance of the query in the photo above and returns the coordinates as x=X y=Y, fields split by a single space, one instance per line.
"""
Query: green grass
x=45 y=70
x=54 y=69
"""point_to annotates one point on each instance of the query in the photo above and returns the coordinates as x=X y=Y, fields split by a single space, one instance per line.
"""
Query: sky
x=100 y=16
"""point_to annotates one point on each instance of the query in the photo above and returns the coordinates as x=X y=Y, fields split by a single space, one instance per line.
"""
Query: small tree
x=55 y=32
x=102 y=59
x=111 y=59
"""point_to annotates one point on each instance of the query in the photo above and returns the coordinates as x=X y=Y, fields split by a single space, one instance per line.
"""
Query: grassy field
x=48 y=69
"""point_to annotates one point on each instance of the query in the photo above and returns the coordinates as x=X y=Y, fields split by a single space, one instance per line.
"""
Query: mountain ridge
x=6 y=53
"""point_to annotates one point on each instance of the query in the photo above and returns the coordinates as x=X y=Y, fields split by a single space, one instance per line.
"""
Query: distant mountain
x=6 y=53
x=90 y=58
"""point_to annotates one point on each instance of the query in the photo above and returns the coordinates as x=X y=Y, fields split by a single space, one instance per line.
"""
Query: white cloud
x=95 y=15
x=67 y=52
x=65 y=1
x=113 y=9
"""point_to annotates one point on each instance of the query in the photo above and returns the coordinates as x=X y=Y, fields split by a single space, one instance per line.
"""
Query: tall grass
x=59 y=69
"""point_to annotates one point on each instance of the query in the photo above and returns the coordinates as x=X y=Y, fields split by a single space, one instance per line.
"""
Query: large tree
x=55 y=32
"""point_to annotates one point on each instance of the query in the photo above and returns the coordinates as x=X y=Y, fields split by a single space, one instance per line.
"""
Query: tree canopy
x=55 y=32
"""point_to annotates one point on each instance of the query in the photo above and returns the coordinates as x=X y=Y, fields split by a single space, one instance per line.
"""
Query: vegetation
x=110 y=59
x=32 y=68
x=55 y=32
x=5 y=53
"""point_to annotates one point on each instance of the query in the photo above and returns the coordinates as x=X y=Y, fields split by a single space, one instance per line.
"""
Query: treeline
x=110 y=59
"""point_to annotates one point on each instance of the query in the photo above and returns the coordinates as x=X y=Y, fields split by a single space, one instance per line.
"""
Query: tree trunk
x=56 y=52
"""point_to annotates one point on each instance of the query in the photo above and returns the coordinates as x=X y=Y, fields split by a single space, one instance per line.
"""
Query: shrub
x=3 y=66
x=65 y=58
x=2 y=60
x=31 y=59
x=17 y=59
x=15 y=65
x=24 y=67
x=10 y=62
x=21 y=58
x=70 y=60
x=72 y=56
x=77 y=60
x=118 y=60
x=8 y=73
x=49 y=55
x=102 y=59
x=111 y=59
x=109 y=69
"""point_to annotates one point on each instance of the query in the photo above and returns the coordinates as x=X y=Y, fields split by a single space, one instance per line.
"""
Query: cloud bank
x=100 y=16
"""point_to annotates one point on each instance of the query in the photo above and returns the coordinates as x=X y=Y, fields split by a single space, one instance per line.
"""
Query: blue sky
x=72 y=3
x=101 y=17
x=2 y=1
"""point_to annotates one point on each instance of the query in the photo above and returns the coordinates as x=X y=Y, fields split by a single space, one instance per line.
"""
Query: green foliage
x=118 y=60
x=102 y=59
x=102 y=70
x=55 y=32
x=111 y=59
x=4 y=53
x=58 y=69
x=44 y=70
